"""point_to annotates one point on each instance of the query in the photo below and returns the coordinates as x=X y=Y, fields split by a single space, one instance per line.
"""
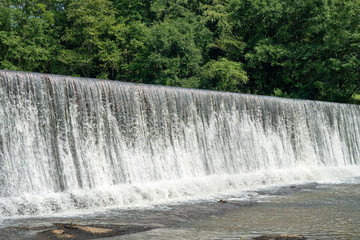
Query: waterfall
x=74 y=143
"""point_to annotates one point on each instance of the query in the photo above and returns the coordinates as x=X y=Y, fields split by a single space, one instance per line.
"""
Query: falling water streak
x=62 y=135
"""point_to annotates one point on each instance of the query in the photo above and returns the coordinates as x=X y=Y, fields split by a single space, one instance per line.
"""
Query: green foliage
x=92 y=38
x=26 y=35
x=163 y=9
x=298 y=49
x=356 y=99
x=224 y=75
x=307 y=49
x=225 y=42
x=132 y=10
x=342 y=46
x=172 y=54
x=279 y=93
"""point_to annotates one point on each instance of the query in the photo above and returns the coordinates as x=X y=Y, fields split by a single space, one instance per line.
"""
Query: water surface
x=317 y=211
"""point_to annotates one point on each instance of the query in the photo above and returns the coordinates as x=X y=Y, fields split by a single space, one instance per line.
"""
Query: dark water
x=326 y=212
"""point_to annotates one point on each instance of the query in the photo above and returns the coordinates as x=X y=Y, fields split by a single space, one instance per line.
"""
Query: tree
x=92 y=39
x=301 y=49
x=133 y=10
x=216 y=16
x=27 y=36
x=342 y=49
x=224 y=75
x=172 y=54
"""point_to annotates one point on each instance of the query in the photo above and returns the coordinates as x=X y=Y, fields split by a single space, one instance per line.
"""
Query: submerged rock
x=74 y=231
x=280 y=237
x=288 y=189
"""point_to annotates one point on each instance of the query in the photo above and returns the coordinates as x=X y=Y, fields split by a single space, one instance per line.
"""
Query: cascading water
x=72 y=143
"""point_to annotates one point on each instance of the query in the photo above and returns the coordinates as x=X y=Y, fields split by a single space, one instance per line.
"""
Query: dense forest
x=288 y=48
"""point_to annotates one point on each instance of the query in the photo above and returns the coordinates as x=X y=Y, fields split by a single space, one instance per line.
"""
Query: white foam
x=71 y=144
x=147 y=194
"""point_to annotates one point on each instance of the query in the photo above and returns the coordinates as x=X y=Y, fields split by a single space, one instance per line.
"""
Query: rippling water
x=317 y=211
x=326 y=212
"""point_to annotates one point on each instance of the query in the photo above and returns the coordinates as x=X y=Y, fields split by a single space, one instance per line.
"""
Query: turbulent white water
x=71 y=143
